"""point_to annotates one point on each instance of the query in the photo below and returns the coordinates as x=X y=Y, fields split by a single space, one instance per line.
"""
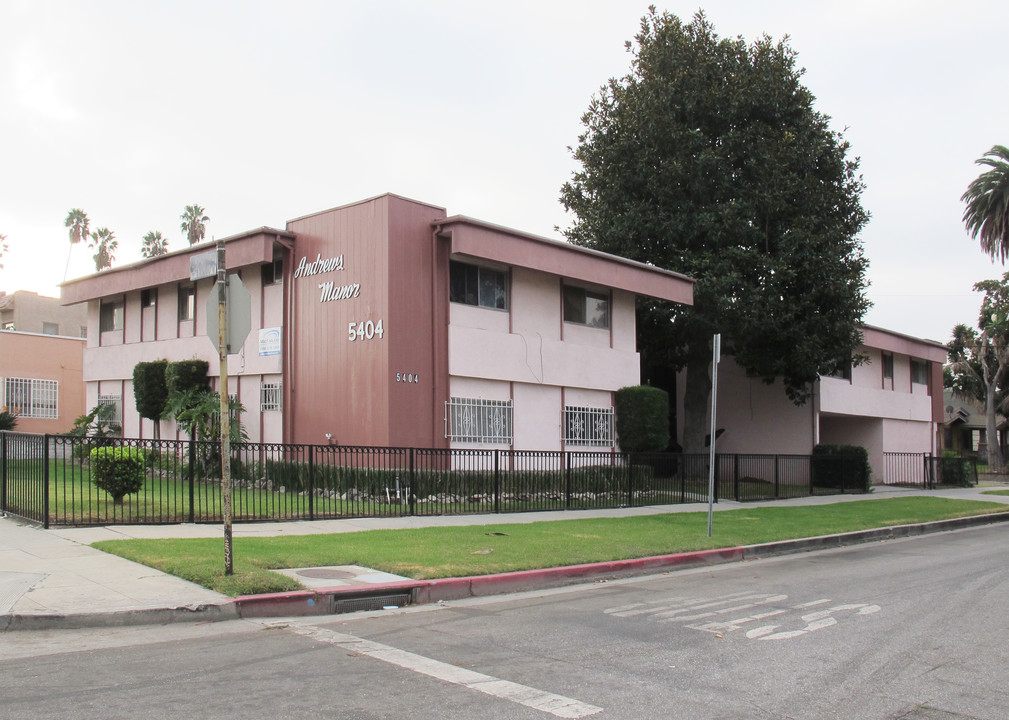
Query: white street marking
x=556 y=705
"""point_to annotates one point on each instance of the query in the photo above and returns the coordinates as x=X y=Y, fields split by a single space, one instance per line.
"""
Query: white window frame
x=117 y=401
x=270 y=397
x=479 y=421
x=32 y=397
x=588 y=426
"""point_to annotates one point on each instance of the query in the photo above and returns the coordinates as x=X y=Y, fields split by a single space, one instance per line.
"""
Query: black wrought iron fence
x=928 y=471
x=51 y=480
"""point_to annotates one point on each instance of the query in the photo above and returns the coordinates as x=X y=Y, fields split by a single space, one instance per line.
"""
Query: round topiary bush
x=118 y=471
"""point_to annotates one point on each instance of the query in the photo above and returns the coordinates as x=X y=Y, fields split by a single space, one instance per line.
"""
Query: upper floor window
x=110 y=315
x=919 y=372
x=149 y=297
x=187 y=302
x=888 y=366
x=273 y=272
x=473 y=285
x=50 y=328
x=842 y=371
x=586 y=307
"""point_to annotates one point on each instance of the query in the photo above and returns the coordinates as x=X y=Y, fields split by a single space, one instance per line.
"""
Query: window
x=273 y=272
x=149 y=297
x=588 y=426
x=479 y=421
x=919 y=372
x=888 y=366
x=84 y=331
x=115 y=401
x=269 y=397
x=472 y=285
x=586 y=307
x=187 y=302
x=32 y=398
x=110 y=315
x=50 y=328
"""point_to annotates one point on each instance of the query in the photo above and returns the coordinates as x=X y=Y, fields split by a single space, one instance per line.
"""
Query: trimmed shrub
x=118 y=471
x=642 y=418
x=955 y=470
x=187 y=375
x=150 y=390
x=843 y=467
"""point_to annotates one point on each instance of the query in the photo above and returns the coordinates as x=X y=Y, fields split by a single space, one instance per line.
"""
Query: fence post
x=311 y=482
x=497 y=481
x=777 y=481
x=735 y=475
x=630 y=479
x=3 y=472
x=412 y=497
x=929 y=479
x=192 y=480
x=45 y=481
x=567 y=478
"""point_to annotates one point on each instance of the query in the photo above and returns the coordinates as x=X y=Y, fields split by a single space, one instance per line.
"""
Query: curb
x=335 y=600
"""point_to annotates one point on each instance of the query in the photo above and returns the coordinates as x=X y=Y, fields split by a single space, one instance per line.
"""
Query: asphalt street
x=900 y=629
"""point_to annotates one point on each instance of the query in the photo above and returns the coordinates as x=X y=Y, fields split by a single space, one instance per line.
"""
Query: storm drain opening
x=371 y=602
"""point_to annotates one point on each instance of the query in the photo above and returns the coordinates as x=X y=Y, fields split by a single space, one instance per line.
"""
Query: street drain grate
x=371 y=602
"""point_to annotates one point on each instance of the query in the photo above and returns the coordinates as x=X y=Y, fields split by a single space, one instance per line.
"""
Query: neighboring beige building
x=27 y=311
x=41 y=380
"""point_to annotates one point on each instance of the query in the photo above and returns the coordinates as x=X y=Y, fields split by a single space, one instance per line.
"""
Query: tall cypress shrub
x=150 y=391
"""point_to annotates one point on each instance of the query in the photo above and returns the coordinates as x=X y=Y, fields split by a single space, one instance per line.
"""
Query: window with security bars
x=588 y=426
x=31 y=398
x=269 y=396
x=479 y=421
x=115 y=401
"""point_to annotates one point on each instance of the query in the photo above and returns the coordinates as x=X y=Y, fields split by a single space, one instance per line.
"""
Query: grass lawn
x=484 y=549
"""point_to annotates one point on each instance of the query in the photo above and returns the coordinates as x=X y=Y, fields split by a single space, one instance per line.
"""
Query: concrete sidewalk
x=54 y=579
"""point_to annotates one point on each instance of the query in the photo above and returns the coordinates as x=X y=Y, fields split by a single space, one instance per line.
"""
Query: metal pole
x=716 y=351
x=222 y=351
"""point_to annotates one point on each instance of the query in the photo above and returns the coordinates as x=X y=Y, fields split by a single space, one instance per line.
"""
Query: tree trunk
x=695 y=401
x=991 y=433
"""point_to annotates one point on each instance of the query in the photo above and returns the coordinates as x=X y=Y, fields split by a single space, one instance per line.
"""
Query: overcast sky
x=265 y=111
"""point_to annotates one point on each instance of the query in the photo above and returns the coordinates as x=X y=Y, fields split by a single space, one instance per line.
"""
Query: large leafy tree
x=79 y=229
x=194 y=223
x=104 y=243
x=987 y=197
x=155 y=244
x=979 y=360
x=708 y=158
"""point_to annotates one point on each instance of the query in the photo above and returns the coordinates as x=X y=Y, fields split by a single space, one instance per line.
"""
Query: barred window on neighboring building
x=117 y=402
x=588 y=426
x=269 y=397
x=479 y=421
x=31 y=398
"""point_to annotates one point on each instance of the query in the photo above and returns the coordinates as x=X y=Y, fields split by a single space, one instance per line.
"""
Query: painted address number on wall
x=365 y=331
x=408 y=377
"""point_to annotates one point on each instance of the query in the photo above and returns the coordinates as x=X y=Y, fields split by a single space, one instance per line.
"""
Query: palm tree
x=78 y=223
x=154 y=244
x=193 y=223
x=3 y=248
x=105 y=245
x=987 y=198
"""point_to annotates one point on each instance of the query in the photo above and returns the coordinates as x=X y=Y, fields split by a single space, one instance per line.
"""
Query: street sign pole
x=222 y=352
x=716 y=352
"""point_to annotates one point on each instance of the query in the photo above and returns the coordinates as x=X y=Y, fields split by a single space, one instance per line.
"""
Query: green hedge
x=844 y=467
x=955 y=470
x=642 y=418
x=119 y=471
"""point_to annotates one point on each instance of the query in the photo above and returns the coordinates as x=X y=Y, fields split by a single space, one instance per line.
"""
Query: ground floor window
x=479 y=421
x=269 y=397
x=32 y=398
x=588 y=426
x=116 y=401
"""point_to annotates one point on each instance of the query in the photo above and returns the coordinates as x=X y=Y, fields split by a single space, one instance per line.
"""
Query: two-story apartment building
x=889 y=403
x=386 y=322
